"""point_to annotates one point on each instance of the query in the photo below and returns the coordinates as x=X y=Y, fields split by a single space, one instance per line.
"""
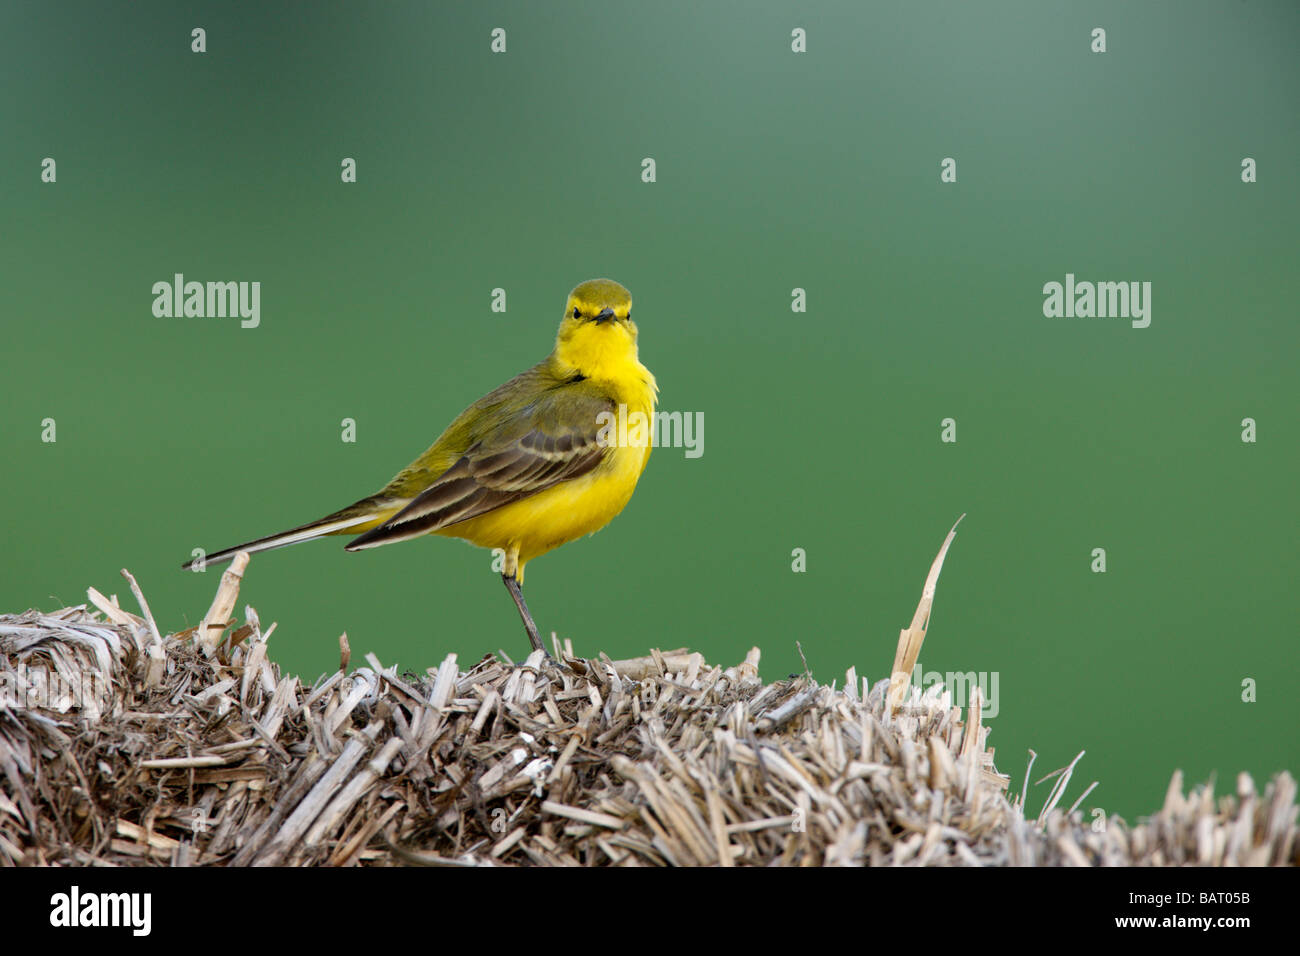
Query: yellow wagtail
x=526 y=468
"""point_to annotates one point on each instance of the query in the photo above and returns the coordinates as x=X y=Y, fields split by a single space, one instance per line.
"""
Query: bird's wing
x=554 y=439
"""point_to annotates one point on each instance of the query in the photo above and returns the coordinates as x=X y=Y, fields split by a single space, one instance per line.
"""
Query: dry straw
x=121 y=746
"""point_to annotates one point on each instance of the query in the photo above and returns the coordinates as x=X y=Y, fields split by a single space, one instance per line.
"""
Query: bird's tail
x=365 y=514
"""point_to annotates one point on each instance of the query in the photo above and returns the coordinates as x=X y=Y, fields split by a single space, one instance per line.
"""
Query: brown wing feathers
x=482 y=481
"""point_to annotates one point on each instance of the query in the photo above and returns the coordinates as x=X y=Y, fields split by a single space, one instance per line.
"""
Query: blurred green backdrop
x=775 y=170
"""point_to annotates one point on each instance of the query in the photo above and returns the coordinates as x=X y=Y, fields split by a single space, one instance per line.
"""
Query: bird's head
x=597 y=327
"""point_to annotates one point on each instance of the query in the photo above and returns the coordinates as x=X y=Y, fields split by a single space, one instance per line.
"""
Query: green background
x=775 y=171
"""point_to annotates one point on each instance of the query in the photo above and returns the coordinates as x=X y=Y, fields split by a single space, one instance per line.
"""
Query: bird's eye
x=577 y=313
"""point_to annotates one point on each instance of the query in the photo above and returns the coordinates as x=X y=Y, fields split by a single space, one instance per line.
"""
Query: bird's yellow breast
x=583 y=505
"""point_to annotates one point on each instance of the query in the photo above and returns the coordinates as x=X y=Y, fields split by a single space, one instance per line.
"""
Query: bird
x=532 y=465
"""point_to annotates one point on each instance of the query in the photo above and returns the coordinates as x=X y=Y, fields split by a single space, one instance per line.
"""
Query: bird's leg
x=516 y=592
x=511 y=577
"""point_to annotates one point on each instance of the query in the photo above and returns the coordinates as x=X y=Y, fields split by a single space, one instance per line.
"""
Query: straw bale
x=122 y=746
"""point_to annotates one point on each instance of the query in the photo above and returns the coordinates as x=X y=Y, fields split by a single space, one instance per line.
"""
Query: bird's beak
x=604 y=316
